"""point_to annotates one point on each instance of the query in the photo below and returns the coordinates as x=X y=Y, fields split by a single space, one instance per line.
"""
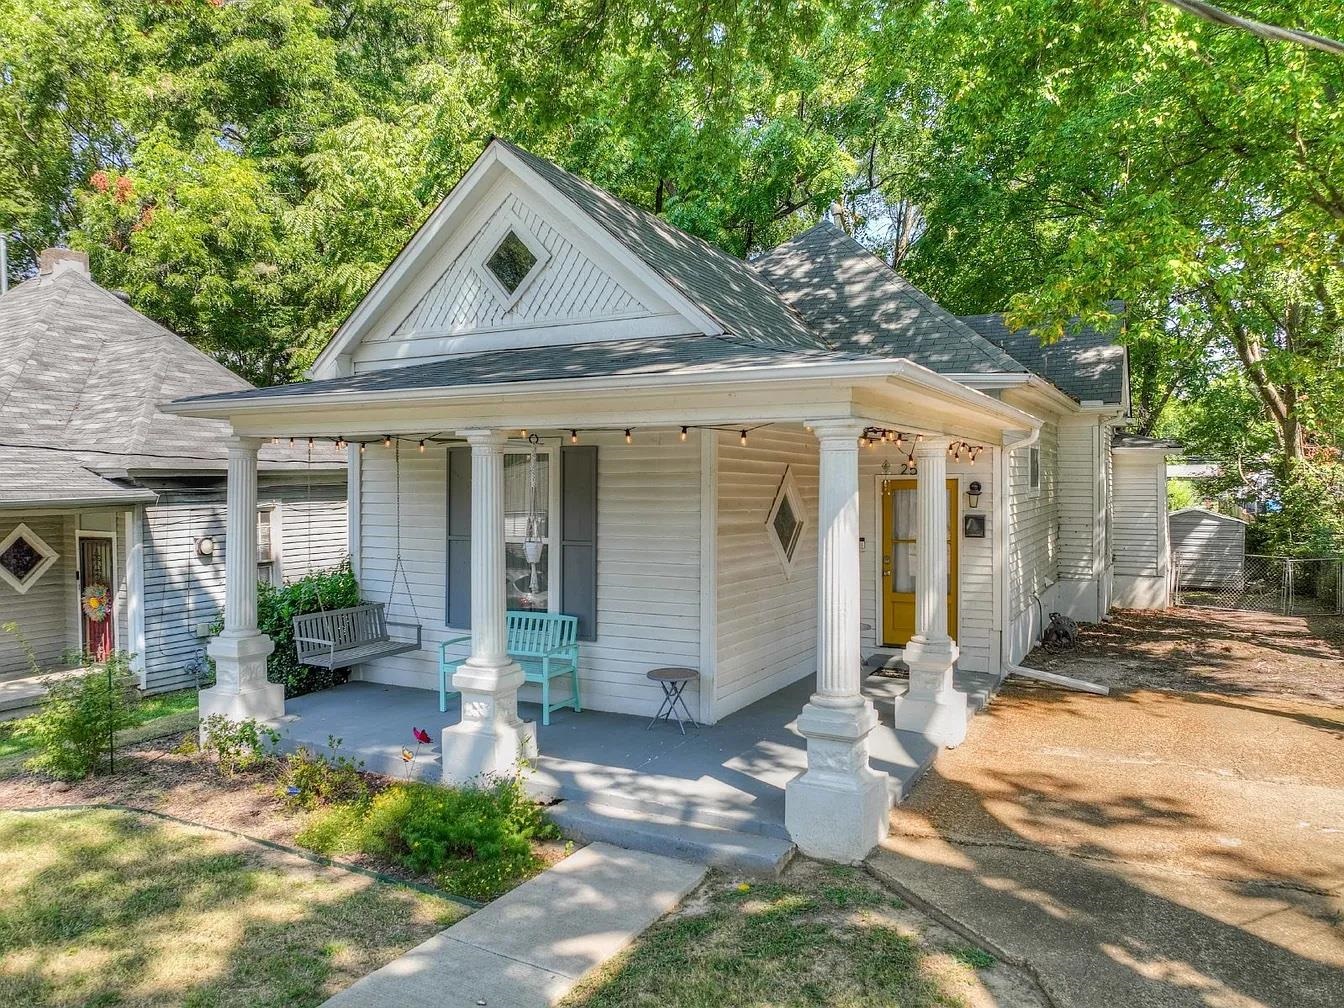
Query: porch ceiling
x=888 y=393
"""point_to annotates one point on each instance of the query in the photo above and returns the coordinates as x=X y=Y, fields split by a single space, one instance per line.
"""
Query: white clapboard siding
x=1210 y=548
x=648 y=565
x=44 y=614
x=570 y=286
x=975 y=603
x=1080 y=510
x=1033 y=517
x=1140 y=513
x=767 y=618
x=184 y=591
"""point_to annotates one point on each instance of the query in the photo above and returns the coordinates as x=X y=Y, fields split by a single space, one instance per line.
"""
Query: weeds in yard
x=474 y=841
x=238 y=746
x=76 y=727
x=972 y=956
x=309 y=779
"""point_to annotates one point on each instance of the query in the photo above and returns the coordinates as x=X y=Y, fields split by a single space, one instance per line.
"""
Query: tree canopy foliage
x=244 y=169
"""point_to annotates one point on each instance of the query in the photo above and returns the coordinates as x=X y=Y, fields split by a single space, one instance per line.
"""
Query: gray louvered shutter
x=578 y=536
x=458 y=587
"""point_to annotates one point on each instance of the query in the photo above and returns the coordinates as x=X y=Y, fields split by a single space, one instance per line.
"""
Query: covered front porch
x=666 y=504
x=730 y=775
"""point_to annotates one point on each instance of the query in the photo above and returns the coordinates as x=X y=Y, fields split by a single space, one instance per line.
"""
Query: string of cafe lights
x=871 y=437
x=958 y=450
x=573 y=437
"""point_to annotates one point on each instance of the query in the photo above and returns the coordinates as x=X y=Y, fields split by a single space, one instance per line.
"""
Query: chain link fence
x=1283 y=585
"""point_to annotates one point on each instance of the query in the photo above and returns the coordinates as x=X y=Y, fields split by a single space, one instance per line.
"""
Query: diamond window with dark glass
x=21 y=558
x=511 y=262
x=787 y=527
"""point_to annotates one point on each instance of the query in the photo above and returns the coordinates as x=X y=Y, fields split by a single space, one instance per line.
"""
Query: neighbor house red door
x=95 y=571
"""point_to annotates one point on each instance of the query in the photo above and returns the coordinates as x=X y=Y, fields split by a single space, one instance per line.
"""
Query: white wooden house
x=944 y=484
x=98 y=487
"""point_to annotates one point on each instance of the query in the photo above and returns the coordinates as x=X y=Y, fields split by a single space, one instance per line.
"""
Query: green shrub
x=309 y=779
x=238 y=746
x=73 y=731
x=475 y=841
x=276 y=608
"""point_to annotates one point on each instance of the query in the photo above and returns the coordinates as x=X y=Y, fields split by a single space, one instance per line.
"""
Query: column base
x=241 y=690
x=490 y=740
x=932 y=706
x=837 y=809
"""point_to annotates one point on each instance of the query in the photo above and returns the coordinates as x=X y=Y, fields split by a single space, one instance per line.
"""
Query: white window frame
x=550 y=450
x=788 y=490
x=494 y=236
x=1034 y=455
x=49 y=557
x=269 y=514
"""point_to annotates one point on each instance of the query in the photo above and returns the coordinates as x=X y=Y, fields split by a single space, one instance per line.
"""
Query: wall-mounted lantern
x=973 y=494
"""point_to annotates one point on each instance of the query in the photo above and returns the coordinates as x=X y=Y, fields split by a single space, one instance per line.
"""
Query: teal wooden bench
x=545 y=645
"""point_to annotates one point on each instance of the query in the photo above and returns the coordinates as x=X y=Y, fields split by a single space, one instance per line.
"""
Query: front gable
x=556 y=278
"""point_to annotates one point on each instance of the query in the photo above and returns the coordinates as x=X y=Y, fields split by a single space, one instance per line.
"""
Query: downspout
x=1006 y=666
x=1003 y=491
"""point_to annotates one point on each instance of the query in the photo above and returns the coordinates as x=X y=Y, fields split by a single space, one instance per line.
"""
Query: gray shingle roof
x=1087 y=365
x=651 y=356
x=83 y=374
x=858 y=303
x=34 y=476
x=1123 y=439
x=721 y=284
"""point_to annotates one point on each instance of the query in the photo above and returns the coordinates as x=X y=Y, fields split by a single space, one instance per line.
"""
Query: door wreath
x=94 y=601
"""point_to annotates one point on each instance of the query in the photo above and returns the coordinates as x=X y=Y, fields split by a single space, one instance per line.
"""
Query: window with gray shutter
x=578 y=536
x=458 y=587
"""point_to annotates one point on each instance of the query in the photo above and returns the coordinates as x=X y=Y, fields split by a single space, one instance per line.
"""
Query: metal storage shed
x=1209 y=548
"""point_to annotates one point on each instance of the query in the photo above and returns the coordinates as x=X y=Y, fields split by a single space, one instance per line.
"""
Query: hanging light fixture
x=387 y=440
x=422 y=446
x=683 y=432
x=744 y=439
x=628 y=438
x=573 y=437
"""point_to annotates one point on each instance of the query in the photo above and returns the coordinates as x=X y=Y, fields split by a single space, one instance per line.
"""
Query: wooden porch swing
x=341 y=638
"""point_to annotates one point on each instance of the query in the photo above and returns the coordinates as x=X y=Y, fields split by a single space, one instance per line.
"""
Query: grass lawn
x=101 y=908
x=161 y=714
x=822 y=937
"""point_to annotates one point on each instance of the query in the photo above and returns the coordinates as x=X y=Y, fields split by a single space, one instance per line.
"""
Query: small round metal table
x=674 y=682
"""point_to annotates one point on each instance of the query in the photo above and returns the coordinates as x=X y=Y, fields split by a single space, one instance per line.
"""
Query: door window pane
x=527 y=516
x=903 y=567
x=903 y=513
x=526 y=583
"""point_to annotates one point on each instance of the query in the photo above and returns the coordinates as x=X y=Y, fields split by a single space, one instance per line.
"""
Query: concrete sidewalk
x=531 y=946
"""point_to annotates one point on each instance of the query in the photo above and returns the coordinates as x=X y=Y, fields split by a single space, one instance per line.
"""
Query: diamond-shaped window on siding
x=511 y=262
x=24 y=558
x=786 y=521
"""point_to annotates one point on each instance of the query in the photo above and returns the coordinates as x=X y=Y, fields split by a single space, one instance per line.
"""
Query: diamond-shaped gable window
x=24 y=558
x=511 y=262
x=786 y=521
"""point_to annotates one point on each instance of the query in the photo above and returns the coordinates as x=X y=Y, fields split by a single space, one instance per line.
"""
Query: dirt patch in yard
x=1209 y=651
x=1177 y=844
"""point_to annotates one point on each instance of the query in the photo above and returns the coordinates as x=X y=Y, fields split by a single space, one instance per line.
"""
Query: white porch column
x=490 y=738
x=837 y=809
x=241 y=690
x=932 y=707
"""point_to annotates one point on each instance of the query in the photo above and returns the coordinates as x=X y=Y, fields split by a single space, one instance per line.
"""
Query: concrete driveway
x=1143 y=849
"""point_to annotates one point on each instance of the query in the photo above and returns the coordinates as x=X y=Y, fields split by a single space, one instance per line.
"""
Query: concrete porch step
x=656 y=834
x=679 y=808
x=21 y=696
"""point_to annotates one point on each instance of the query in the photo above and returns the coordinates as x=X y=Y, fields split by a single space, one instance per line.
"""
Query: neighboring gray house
x=99 y=488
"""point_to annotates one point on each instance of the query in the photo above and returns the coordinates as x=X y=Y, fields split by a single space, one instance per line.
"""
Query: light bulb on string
x=573 y=437
x=628 y=438
x=683 y=432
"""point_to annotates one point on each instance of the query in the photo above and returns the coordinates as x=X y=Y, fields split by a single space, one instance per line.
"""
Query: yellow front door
x=899 y=519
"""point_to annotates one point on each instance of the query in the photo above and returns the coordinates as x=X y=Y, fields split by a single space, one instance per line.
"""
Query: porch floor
x=729 y=775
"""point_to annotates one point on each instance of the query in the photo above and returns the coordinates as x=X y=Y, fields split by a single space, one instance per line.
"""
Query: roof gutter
x=796 y=371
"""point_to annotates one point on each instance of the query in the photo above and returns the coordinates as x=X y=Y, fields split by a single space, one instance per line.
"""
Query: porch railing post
x=837 y=808
x=490 y=738
x=241 y=689
x=932 y=707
